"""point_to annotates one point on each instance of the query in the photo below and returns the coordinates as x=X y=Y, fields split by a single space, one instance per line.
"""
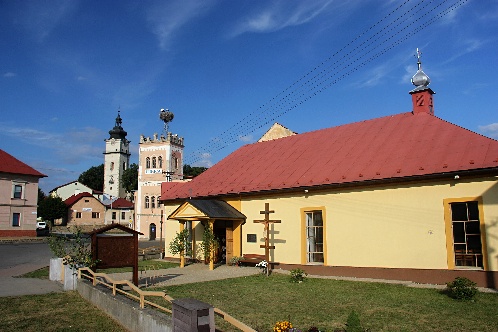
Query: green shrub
x=298 y=275
x=353 y=323
x=461 y=289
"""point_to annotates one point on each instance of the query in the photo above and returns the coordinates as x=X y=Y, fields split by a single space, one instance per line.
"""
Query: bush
x=298 y=275
x=353 y=323
x=461 y=289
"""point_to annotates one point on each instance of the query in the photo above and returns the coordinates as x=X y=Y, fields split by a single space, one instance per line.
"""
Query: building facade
x=73 y=188
x=18 y=197
x=160 y=160
x=85 y=210
x=407 y=196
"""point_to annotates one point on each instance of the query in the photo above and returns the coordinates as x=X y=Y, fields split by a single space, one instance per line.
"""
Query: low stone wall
x=124 y=310
x=17 y=233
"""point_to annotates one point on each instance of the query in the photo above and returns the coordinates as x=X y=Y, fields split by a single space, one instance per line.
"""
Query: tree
x=93 y=177
x=52 y=208
x=41 y=195
x=129 y=179
x=192 y=171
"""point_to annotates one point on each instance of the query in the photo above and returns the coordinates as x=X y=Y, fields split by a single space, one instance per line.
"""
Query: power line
x=393 y=29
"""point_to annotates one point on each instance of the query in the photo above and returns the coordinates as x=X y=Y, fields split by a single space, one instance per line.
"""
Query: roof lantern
x=420 y=79
x=422 y=94
x=118 y=132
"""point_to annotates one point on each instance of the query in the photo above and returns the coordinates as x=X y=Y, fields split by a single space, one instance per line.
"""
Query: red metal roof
x=9 y=164
x=121 y=203
x=73 y=199
x=398 y=146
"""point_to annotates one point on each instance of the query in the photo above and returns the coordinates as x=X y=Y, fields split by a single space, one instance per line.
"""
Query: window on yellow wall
x=314 y=237
x=160 y=161
x=147 y=202
x=95 y=215
x=466 y=228
x=147 y=162
x=154 y=162
x=153 y=202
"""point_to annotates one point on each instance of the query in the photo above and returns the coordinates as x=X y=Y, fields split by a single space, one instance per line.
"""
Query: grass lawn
x=142 y=265
x=53 y=312
x=261 y=301
x=43 y=273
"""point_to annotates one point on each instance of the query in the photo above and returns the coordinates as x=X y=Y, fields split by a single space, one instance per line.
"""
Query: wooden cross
x=266 y=222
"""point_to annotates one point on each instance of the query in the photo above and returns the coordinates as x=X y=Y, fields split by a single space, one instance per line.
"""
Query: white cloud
x=205 y=160
x=82 y=143
x=9 y=74
x=490 y=130
x=41 y=17
x=465 y=47
x=167 y=17
x=246 y=138
x=279 y=15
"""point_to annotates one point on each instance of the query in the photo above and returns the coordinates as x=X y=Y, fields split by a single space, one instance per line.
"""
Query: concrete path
x=18 y=258
x=189 y=274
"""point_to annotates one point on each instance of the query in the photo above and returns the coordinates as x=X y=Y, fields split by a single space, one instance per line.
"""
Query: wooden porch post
x=211 y=254
x=182 y=254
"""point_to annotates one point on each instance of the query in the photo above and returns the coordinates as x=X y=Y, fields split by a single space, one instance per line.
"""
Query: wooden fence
x=107 y=281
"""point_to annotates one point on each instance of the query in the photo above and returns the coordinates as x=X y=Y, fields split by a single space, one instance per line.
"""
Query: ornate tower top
x=422 y=94
x=420 y=79
x=118 y=132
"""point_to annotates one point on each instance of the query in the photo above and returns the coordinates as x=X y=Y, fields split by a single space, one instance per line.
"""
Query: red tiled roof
x=398 y=146
x=73 y=199
x=9 y=164
x=121 y=203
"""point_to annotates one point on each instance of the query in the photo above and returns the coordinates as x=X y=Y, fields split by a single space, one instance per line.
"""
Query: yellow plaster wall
x=375 y=227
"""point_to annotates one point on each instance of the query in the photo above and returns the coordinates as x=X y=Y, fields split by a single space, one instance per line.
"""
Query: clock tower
x=116 y=159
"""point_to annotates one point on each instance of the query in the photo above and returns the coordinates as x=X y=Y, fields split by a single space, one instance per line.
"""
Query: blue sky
x=227 y=68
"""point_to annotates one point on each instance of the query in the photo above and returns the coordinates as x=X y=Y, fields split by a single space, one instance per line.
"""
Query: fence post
x=190 y=315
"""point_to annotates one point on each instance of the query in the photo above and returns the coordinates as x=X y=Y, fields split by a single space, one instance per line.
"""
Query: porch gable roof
x=200 y=209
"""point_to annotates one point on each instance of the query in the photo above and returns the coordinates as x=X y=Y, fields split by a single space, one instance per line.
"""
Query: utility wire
x=396 y=27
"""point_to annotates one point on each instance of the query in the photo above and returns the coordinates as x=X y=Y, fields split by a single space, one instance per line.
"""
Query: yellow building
x=407 y=197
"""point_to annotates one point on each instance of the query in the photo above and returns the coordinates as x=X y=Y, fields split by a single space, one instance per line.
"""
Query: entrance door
x=314 y=237
x=223 y=230
x=229 y=244
x=152 y=232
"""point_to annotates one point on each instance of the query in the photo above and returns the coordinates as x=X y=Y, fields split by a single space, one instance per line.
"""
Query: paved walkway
x=12 y=285
x=189 y=274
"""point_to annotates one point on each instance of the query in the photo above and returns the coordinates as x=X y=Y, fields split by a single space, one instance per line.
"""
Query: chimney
x=422 y=94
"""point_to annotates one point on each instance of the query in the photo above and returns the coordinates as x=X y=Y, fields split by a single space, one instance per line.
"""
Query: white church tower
x=116 y=160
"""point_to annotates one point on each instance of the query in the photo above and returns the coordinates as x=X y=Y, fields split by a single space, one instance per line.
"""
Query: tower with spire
x=116 y=159
x=422 y=94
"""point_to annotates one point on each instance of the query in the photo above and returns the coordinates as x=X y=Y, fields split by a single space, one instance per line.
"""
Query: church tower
x=160 y=159
x=116 y=160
